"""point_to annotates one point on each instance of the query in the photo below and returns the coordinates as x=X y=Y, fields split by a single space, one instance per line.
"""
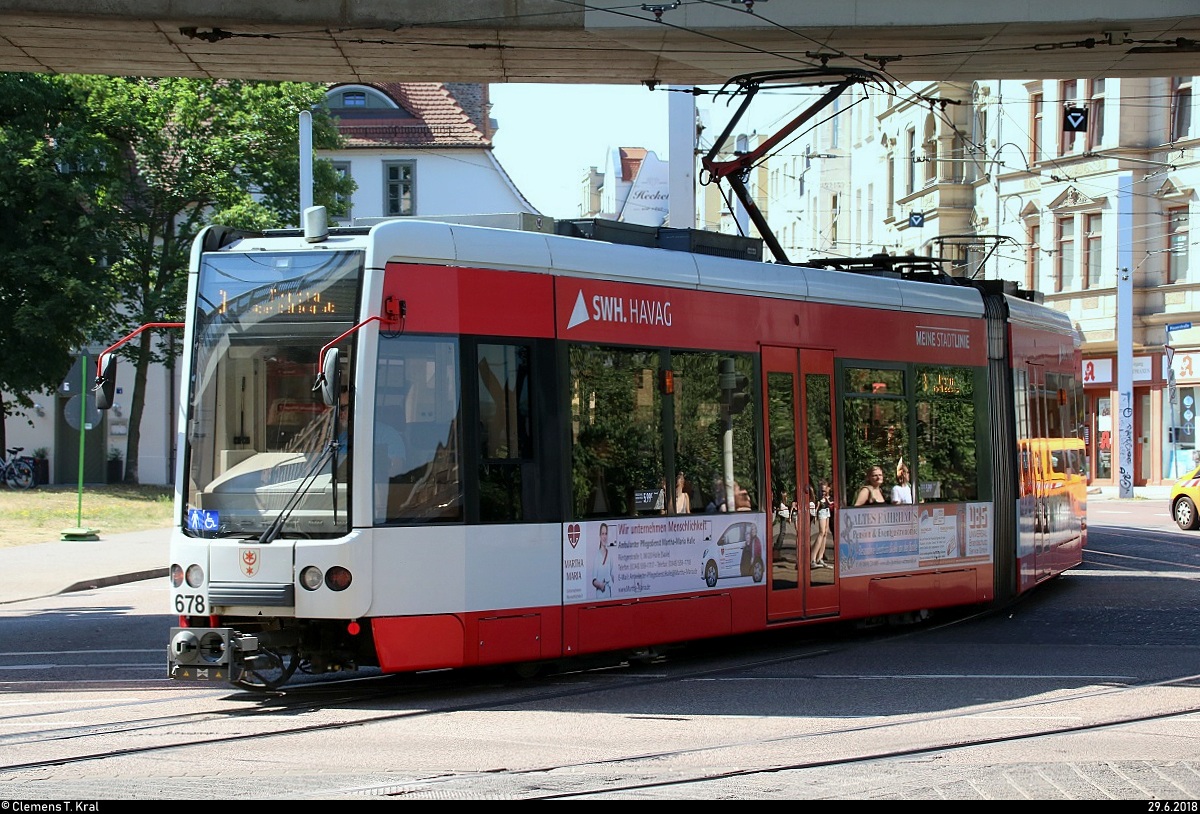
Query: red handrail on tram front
x=123 y=340
x=393 y=312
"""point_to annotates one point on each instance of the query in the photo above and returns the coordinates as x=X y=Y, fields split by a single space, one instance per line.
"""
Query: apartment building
x=1067 y=187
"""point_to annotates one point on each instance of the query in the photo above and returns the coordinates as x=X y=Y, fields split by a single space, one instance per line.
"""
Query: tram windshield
x=260 y=441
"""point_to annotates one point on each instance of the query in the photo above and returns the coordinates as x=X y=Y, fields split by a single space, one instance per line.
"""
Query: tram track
x=433 y=701
x=1172 y=547
x=534 y=781
x=320 y=696
x=858 y=759
x=338 y=699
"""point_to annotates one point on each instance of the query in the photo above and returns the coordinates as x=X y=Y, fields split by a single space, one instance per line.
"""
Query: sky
x=549 y=135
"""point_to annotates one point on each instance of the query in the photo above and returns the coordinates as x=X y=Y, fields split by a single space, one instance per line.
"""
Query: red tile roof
x=430 y=116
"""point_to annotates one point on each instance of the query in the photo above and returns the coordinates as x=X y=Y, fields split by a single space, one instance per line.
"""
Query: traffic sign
x=1178 y=326
x=1075 y=120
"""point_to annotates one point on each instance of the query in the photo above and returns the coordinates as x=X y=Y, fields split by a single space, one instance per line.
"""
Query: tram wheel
x=270 y=671
x=526 y=670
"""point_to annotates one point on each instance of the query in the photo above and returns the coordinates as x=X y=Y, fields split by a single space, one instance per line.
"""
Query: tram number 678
x=190 y=604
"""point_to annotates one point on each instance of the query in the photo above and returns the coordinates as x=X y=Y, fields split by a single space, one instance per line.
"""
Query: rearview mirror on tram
x=106 y=382
x=329 y=379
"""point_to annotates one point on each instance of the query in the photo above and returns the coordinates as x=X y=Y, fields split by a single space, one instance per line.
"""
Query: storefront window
x=1180 y=453
x=1104 y=439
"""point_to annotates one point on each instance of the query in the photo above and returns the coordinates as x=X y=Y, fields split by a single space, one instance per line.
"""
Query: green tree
x=51 y=234
x=189 y=153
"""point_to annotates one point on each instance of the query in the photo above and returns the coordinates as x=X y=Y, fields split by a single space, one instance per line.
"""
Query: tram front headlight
x=176 y=575
x=311 y=578
x=195 y=575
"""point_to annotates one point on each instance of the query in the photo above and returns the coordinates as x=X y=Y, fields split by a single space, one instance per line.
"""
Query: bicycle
x=17 y=472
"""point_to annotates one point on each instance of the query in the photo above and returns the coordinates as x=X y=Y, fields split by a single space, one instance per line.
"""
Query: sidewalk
x=45 y=569
x=1162 y=493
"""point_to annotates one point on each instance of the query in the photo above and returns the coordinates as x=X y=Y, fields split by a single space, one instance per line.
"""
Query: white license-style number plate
x=191 y=604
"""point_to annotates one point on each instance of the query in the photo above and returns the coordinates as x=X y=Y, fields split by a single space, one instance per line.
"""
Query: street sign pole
x=81 y=533
x=1125 y=334
x=1169 y=358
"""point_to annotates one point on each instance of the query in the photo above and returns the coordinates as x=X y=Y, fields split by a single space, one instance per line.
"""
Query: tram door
x=800 y=453
x=1037 y=464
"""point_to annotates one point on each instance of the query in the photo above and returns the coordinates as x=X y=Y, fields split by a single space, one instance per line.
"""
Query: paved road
x=1089 y=689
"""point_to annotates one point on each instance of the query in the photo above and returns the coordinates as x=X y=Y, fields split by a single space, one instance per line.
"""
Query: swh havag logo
x=579 y=314
x=626 y=311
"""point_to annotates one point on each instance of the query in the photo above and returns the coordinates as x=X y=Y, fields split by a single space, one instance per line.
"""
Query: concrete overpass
x=701 y=42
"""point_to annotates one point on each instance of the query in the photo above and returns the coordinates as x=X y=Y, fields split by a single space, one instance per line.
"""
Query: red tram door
x=801 y=444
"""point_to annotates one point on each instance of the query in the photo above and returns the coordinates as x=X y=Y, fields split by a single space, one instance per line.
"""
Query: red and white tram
x=523 y=447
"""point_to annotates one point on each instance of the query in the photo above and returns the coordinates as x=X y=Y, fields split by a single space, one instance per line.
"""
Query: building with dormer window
x=420 y=149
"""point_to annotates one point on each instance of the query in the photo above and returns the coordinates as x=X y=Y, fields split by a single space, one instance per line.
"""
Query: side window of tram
x=417 y=436
x=505 y=429
x=892 y=415
x=616 y=432
x=874 y=426
x=703 y=414
x=948 y=463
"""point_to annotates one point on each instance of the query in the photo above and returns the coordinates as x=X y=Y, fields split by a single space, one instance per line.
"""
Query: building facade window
x=1064 y=254
x=929 y=151
x=834 y=212
x=870 y=213
x=342 y=168
x=891 y=186
x=835 y=129
x=1036 y=127
x=1033 y=257
x=978 y=147
x=354 y=98
x=957 y=171
x=1095 y=131
x=399 y=181
x=1177 y=244
x=910 y=182
x=857 y=234
x=1093 y=251
x=1069 y=95
x=1181 y=107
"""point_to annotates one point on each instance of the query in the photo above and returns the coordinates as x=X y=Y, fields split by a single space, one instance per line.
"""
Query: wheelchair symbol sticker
x=201 y=520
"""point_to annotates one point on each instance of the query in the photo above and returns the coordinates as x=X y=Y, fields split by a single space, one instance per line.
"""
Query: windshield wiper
x=272 y=531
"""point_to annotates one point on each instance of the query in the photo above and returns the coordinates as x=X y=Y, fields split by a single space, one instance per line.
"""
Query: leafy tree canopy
x=184 y=153
x=192 y=152
x=52 y=233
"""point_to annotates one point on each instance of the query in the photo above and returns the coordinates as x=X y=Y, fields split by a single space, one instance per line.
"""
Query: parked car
x=1185 y=497
x=738 y=553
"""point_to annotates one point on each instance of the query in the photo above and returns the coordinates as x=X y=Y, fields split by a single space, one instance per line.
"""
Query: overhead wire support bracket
x=737 y=169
